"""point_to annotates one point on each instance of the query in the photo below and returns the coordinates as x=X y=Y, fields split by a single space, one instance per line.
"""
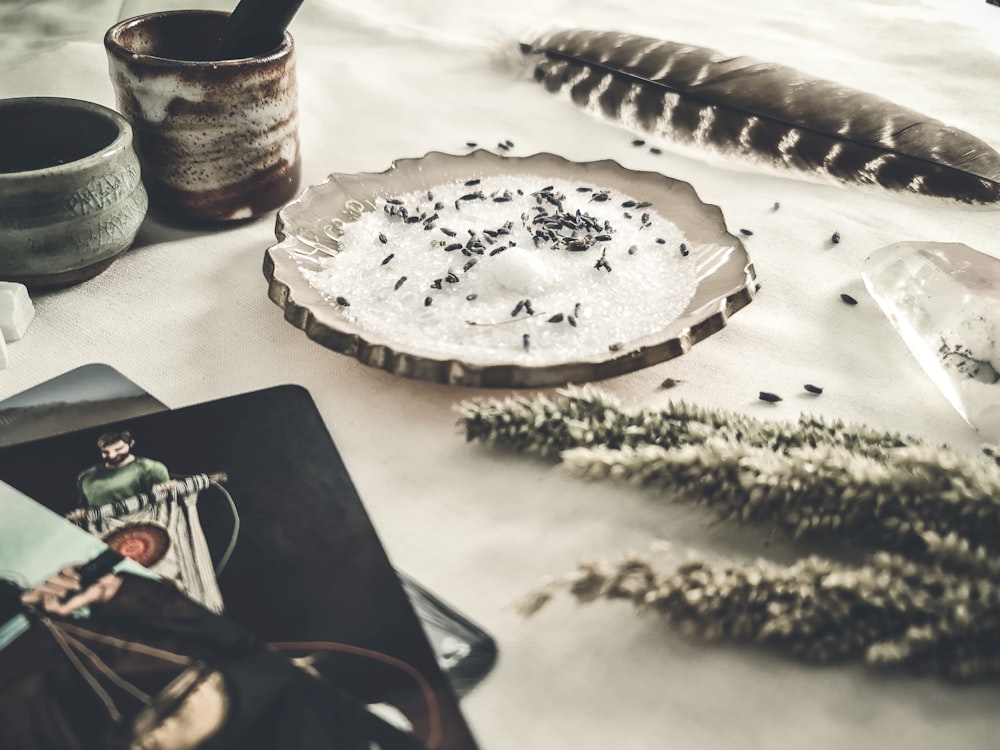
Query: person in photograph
x=121 y=473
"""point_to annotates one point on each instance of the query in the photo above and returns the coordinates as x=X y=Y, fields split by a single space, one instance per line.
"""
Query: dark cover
x=307 y=570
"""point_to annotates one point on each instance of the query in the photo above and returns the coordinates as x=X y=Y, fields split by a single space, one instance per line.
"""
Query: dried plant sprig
x=583 y=416
x=824 y=490
x=889 y=611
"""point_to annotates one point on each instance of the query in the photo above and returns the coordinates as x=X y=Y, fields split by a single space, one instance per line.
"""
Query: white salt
x=16 y=310
x=527 y=269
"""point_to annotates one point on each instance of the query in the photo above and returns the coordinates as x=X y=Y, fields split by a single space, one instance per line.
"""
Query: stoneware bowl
x=71 y=200
x=217 y=139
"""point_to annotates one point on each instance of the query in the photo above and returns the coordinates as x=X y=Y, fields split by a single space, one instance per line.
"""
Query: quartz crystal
x=16 y=310
x=944 y=300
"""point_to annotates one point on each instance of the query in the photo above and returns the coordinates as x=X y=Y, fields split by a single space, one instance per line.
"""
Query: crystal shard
x=944 y=300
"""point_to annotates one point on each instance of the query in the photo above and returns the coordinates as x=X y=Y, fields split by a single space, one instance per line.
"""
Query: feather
x=763 y=112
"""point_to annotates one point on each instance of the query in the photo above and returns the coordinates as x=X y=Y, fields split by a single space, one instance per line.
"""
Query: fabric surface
x=185 y=314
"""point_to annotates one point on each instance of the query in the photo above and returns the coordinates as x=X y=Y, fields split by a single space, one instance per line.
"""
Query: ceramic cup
x=217 y=139
x=70 y=196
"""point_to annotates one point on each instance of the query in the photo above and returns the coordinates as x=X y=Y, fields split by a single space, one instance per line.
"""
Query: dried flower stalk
x=825 y=490
x=891 y=611
x=584 y=416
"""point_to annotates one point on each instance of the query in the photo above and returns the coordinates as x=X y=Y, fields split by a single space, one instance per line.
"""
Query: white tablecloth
x=185 y=314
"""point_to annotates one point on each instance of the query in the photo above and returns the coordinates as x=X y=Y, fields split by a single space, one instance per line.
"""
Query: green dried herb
x=927 y=598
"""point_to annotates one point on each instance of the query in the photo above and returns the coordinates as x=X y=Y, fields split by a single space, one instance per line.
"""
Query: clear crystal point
x=944 y=300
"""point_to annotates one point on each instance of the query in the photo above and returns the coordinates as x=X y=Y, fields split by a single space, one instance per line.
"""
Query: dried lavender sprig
x=827 y=489
x=890 y=611
x=585 y=416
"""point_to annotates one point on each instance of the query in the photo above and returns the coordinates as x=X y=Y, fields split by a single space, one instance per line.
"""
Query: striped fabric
x=188 y=561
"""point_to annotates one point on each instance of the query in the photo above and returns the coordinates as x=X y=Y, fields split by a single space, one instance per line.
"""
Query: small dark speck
x=615 y=347
x=470 y=183
x=557 y=318
x=684 y=250
x=670 y=383
x=526 y=341
x=471 y=144
x=776 y=206
x=387 y=258
x=382 y=238
x=848 y=299
x=655 y=150
x=813 y=388
x=428 y=301
x=769 y=397
x=510 y=143
x=342 y=301
x=756 y=287
x=400 y=282
x=471 y=297
x=638 y=142
x=746 y=232
x=835 y=239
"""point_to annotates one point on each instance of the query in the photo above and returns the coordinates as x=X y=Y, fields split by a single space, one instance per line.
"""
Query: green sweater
x=99 y=486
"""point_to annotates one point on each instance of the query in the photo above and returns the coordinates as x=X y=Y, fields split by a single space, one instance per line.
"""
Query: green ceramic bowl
x=71 y=200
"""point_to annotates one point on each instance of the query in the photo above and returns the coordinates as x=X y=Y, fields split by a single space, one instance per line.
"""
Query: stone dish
x=313 y=223
x=71 y=200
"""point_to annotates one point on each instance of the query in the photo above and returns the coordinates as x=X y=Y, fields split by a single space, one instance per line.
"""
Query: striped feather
x=765 y=113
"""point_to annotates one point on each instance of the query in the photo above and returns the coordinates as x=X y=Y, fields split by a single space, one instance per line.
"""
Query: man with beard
x=121 y=474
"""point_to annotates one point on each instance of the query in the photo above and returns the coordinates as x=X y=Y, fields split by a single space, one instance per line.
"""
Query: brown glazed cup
x=217 y=139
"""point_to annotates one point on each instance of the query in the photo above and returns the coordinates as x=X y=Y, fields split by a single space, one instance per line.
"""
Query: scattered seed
x=394 y=201
x=436 y=284
x=746 y=232
x=660 y=241
x=387 y=258
x=451 y=278
x=471 y=297
x=452 y=247
x=684 y=250
x=769 y=397
x=835 y=239
x=517 y=308
x=399 y=283
x=510 y=143
x=632 y=249
x=669 y=383
x=526 y=341
x=449 y=232
x=776 y=206
x=756 y=287
x=469 y=265
x=600 y=197
x=638 y=142
x=503 y=147
x=576 y=310
x=813 y=388
x=557 y=318
x=470 y=183
x=471 y=144
x=342 y=301
x=848 y=299
x=615 y=347
x=427 y=301
x=382 y=238
x=571 y=320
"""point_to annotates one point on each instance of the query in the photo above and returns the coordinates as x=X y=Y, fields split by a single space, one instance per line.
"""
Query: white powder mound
x=525 y=270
